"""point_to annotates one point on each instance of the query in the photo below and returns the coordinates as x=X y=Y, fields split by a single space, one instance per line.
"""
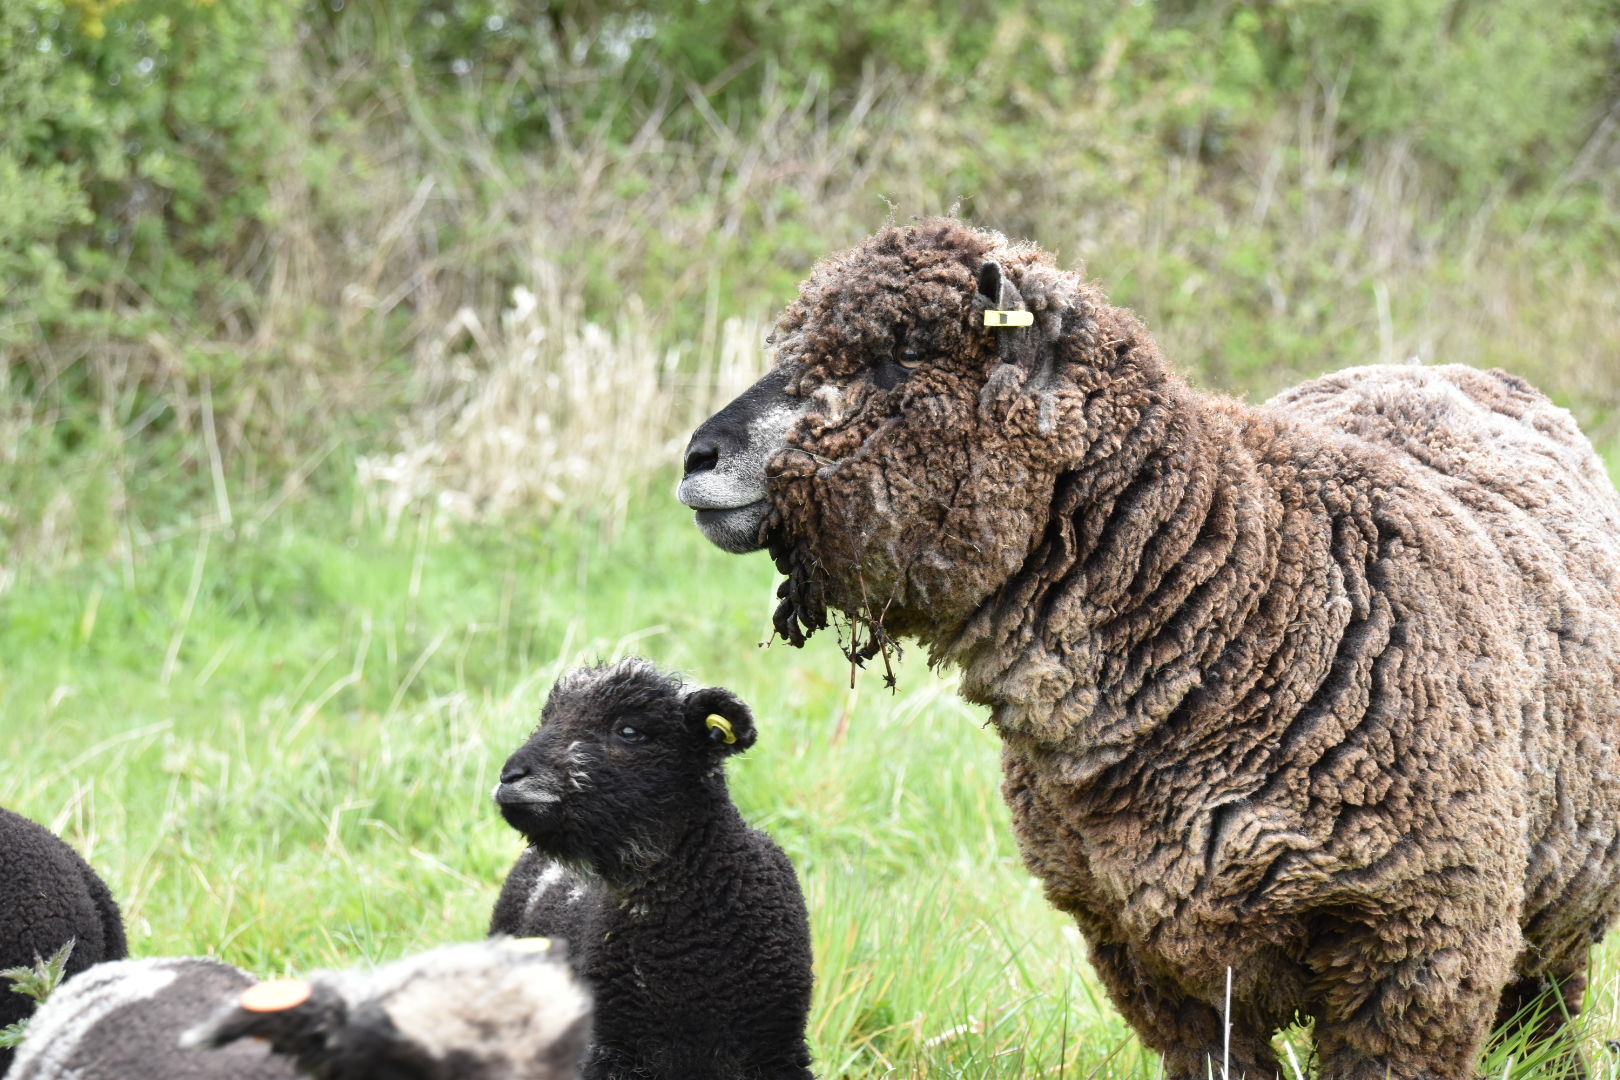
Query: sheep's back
x=123 y=1021
x=1511 y=462
x=1490 y=436
x=1507 y=460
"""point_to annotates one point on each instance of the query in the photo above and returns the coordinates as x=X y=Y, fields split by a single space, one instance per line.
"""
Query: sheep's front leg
x=1409 y=1000
x=1190 y=1034
x=1187 y=1031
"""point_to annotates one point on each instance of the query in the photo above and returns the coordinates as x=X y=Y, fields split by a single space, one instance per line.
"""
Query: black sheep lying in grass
x=489 y=1010
x=48 y=897
x=688 y=926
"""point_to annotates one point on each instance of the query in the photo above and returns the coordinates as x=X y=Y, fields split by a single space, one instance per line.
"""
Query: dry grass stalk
x=546 y=411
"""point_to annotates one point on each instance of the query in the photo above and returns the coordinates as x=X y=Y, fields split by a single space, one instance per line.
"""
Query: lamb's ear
x=719 y=717
x=292 y=1015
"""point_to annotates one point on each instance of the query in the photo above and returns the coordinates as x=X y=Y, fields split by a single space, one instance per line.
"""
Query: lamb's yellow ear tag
x=723 y=726
x=276 y=995
x=530 y=944
x=997 y=317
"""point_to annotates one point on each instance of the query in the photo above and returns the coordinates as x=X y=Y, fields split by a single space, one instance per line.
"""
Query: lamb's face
x=899 y=452
x=623 y=757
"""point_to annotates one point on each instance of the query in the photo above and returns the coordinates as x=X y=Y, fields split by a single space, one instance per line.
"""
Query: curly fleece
x=48 y=896
x=687 y=924
x=1323 y=690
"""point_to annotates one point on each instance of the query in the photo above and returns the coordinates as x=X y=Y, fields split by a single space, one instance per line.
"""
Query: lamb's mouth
x=733 y=528
x=535 y=820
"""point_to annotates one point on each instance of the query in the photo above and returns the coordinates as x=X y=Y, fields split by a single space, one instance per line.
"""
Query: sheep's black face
x=726 y=460
x=900 y=459
x=623 y=759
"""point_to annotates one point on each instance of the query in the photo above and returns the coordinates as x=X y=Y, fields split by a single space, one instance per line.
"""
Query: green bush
x=141 y=140
x=137 y=144
x=241 y=238
x=1487 y=92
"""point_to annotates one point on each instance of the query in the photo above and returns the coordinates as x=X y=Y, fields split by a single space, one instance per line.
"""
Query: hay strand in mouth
x=878 y=640
x=801 y=610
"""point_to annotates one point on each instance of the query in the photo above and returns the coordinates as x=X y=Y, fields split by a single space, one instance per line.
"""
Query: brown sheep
x=1321 y=691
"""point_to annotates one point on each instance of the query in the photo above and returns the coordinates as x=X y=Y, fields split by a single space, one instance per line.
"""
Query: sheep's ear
x=720 y=718
x=990 y=281
x=1021 y=349
x=275 y=1012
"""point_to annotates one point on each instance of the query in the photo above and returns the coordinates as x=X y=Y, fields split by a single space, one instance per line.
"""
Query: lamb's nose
x=513 y=773
x=702 y=454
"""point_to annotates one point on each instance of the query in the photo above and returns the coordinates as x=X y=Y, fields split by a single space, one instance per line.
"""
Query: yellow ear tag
x=996 y=317
x=723 y=726
x=530 y=944
x=277 y=995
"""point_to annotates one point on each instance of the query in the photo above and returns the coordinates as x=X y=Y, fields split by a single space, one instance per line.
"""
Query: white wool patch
x=548 y=877
x=500 y=1005
x=71 y=1014
x=830 y=399
x=574 y=756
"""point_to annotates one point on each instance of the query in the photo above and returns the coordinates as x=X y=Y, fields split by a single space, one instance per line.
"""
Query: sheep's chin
x=735 y=529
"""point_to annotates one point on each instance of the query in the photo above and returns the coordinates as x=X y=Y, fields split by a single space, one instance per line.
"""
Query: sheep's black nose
x=513 y=773
x=702 y=454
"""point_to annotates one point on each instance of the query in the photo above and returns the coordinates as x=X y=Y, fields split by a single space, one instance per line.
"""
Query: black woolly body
x=486 y=1010
x=48 y=896
x=688 y=926
x=124 y=1021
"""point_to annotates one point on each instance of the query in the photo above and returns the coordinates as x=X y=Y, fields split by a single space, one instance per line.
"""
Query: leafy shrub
x=136 y=148
x=234 y=236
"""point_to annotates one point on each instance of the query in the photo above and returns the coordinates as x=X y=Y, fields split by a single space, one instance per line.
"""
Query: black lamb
x=687 y=925
x=48 y=897
x=499 y=1009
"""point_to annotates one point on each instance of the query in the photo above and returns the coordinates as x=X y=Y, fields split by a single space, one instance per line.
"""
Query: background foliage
x=347 y=345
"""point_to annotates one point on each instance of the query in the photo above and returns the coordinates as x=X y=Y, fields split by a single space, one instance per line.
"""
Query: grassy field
x=307 y=490
x=277 y=746
x=279 y=750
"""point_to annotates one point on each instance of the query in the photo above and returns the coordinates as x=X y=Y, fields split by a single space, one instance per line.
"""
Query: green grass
x=270 y=711
x=278 y=749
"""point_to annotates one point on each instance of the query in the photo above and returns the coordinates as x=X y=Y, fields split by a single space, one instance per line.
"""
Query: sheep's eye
x=911 y=359
x=629 y=734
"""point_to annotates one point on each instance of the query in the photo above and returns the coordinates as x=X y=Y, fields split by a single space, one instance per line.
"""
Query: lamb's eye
x=629 y=734
x=910 y=359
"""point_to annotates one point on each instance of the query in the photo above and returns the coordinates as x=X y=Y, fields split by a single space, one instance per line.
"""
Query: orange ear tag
x=277 y=995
